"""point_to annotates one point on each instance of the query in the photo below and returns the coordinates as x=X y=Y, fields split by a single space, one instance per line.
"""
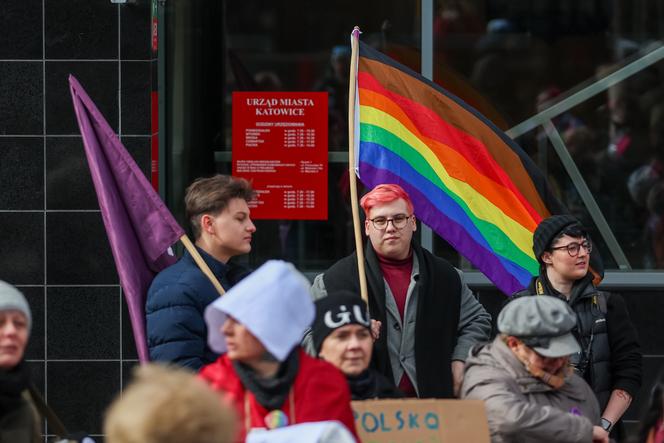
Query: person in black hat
x=342 y=336
x=425 y=318
x=609 y=359
x=530 y=393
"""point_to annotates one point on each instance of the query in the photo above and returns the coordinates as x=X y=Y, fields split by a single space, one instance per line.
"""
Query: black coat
x=437 y=318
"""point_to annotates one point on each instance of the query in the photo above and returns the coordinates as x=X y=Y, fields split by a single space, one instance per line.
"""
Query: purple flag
x=140 y=227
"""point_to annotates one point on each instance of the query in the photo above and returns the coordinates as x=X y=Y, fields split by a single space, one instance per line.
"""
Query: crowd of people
x=278 y=359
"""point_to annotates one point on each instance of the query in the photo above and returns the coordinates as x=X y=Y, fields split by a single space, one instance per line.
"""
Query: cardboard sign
x=421 y=421
x=280 y=145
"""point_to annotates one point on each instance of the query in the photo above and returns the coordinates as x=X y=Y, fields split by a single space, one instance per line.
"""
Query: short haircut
x=575 y=230
x=385 y=193
x=211 y=196
x=169 y=405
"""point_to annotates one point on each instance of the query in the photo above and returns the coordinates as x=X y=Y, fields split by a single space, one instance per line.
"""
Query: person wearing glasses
x=219 y=215
x=610 y=358
x=425 y=319
x=529 y=390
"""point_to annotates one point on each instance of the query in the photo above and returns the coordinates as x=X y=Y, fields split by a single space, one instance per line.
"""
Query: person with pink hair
x=425 y=319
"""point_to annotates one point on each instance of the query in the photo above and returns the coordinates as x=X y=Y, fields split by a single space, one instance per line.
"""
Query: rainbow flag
x=468 y=181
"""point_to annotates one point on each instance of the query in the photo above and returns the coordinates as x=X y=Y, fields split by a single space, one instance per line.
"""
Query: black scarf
x=12 y=384
x=437 y=318
x=361 y=386
x=270 y=392
x=370 y=384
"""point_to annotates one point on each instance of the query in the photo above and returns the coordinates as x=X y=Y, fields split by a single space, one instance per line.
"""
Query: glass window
x=513 y=59
x=509 y=59
x=297 y=45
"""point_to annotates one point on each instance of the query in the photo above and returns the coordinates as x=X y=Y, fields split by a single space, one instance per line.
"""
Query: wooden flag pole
x=359 y=247
x=201 y=263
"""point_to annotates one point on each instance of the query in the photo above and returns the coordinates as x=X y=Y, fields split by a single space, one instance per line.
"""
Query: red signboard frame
x=280 y=145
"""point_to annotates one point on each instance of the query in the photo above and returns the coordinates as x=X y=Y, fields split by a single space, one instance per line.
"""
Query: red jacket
x=320 y=393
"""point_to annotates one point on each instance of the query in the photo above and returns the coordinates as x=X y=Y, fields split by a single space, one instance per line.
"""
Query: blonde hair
x=168 y=405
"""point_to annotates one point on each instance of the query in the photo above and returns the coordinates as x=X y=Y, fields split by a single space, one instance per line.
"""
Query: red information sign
x=280 y=144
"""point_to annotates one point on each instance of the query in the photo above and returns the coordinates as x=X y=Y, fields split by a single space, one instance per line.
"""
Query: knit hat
x=547 y=230
x=339 y=308
x=273 y=303
x=12 y=299
x=543 y=322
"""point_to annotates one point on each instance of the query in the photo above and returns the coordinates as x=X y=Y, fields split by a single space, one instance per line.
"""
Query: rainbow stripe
x=468 y=181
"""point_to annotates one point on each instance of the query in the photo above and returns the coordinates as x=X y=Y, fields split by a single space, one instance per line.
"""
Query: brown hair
x=211 y=195
x=169 y=405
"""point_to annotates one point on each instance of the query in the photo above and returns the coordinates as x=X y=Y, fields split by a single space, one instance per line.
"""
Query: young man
x=428 y=319
x=609 y=359
x=529 y=391
x=218 y=211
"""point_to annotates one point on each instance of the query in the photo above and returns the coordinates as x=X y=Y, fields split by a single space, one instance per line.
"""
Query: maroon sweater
x=397 y=275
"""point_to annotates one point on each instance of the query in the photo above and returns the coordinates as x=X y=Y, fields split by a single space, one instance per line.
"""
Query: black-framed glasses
x=398 y=221
x=574 y=247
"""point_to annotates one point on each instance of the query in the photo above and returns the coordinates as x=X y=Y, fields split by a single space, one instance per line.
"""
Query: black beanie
x=339 y=308
x=547 y=230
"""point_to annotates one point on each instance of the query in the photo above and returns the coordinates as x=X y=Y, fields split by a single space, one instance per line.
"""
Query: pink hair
x=385 y=193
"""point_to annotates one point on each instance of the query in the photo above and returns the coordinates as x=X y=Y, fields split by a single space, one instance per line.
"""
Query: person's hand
x=600 y=435
x=457 y=376
x=375 y=329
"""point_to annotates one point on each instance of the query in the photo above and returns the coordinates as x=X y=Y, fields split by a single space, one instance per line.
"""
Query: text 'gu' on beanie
x=338 y=309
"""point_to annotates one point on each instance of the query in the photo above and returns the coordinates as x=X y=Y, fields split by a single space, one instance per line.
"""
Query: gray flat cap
x=544 y=323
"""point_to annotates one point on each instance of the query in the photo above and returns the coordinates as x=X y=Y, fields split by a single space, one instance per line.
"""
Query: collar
x=415 y=251
x=582 y=288
x=404 y=262
x=526 y=381
x=362 y=386
x=14 y=381
x=219 y=269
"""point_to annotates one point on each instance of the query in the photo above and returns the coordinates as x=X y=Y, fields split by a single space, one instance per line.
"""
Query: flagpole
x=205 y=269
x=359 y=248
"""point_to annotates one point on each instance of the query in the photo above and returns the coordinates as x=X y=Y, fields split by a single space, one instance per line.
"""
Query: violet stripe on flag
x=139 y=226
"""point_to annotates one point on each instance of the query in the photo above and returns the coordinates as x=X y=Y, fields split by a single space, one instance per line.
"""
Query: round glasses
x=574 y=248
x=398 y=221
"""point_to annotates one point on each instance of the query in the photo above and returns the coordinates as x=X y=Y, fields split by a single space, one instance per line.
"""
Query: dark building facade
x=52 y=241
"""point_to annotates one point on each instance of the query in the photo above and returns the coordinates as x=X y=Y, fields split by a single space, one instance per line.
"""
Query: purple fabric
x=139 y=226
